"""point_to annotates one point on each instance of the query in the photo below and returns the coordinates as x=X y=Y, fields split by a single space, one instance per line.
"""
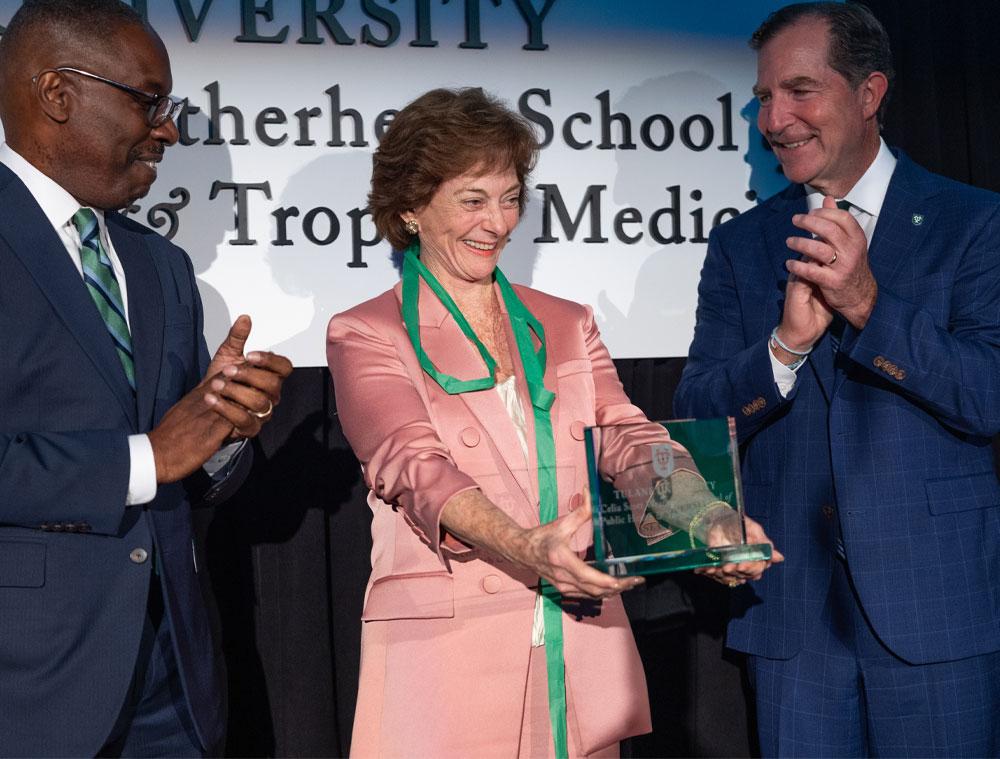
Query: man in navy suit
x=109 y=404
x=851 y=324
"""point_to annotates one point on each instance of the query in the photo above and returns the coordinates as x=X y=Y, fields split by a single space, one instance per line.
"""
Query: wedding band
x=734 y=583
x=263 y=414
x=833 y=260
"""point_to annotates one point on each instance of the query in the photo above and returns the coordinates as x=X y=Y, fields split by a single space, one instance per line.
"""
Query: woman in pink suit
x=465 y=399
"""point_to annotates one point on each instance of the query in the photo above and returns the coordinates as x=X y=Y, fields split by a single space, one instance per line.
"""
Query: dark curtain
x=945 y=111
x=289 y=555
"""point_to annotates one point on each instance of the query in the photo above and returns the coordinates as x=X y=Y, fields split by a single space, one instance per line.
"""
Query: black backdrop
x=288 y=557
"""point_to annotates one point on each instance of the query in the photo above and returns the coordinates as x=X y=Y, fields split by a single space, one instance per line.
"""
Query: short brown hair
x=441 y=135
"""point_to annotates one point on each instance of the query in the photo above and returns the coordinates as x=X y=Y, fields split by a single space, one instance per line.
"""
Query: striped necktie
x=100 y=279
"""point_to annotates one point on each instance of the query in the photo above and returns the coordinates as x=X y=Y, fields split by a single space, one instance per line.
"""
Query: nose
x=166 y=132
x=496 y=221
x=774 y=117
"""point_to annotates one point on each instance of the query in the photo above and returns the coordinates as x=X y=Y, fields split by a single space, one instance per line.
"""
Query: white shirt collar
x=57 y=204
x=869 y=192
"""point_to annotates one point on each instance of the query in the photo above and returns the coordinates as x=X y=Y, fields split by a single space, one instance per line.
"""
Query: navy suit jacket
x=889 y=427
x=72 y=601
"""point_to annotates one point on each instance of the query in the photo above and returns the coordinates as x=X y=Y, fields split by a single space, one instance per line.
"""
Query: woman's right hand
x=547 y=550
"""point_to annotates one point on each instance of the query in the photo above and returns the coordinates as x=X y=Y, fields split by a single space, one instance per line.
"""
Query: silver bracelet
x=775 y=340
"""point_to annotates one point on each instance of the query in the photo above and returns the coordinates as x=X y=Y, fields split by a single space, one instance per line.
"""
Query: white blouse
x=508 y=394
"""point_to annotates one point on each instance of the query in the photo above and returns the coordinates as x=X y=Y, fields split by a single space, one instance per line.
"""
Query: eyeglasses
x=161 y=108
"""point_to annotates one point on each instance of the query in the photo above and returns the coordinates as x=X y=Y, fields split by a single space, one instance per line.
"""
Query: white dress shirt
x=866 y=198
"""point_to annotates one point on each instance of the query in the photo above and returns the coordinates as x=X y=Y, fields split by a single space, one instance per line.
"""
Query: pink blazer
x=447 y=629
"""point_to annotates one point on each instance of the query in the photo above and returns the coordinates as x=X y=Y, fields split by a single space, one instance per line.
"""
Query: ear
x=55 y=95
x=873 y=91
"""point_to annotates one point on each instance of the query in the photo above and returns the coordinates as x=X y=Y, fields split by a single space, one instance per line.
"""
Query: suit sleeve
x=625 y=451
x=68 y=478
x=724 y=374
x=951 y=368
x=387 y=424
x=612 y=405
x=77 y=479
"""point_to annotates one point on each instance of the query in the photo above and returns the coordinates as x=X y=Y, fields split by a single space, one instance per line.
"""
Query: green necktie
x=100 y=279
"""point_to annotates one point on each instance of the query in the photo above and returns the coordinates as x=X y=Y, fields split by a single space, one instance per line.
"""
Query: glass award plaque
x=666 y=497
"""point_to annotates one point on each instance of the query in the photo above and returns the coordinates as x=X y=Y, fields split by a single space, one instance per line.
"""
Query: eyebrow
x=153 y=84
x=788 y=84
x=481 y=191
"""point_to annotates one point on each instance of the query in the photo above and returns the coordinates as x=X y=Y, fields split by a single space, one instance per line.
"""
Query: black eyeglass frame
x=161 y=108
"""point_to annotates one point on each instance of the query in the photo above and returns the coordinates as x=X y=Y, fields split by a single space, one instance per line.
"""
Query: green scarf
x=523 y=323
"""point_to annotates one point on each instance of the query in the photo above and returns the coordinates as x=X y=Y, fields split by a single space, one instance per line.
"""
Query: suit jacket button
x=576 y=429
x=901 y=374
x=470 y=437
x=57 y=527
x=139 y=555
x=45 y=526
x=491 y=583
x=82 y=527
x=827 y=510
x=879 y=362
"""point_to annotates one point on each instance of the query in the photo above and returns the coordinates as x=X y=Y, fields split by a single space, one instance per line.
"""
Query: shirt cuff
x=784 y=377
x=142 y=471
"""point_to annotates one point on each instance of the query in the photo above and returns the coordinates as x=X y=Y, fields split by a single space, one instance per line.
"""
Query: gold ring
x=833 y=260
x=264 y=414
x=734 y=583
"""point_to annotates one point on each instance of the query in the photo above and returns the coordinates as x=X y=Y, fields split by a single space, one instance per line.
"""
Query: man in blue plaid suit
x=851 y=324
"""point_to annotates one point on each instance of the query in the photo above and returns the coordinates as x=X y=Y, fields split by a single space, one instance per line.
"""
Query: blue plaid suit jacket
x=892 y=428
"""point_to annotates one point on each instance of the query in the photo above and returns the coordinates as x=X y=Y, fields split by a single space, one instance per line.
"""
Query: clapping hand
x=236 y=397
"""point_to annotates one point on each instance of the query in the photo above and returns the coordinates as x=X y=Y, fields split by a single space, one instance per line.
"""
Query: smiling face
x=823 y=131
x=110 y=152
x=466 y=224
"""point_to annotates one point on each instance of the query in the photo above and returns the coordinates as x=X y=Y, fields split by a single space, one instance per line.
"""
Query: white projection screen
x=644 y=108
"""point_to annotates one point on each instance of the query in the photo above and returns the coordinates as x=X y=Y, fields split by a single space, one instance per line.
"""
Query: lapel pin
x=917 y=219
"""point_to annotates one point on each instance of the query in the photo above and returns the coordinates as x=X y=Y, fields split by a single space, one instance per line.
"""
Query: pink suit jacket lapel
x=454 y=354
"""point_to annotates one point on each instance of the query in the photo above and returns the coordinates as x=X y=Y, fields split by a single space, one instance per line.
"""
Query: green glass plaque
x=666 y=497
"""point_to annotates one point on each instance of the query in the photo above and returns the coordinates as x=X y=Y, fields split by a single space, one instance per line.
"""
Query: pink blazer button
x=576 y=430
x=470 y=437
x=490 y=583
